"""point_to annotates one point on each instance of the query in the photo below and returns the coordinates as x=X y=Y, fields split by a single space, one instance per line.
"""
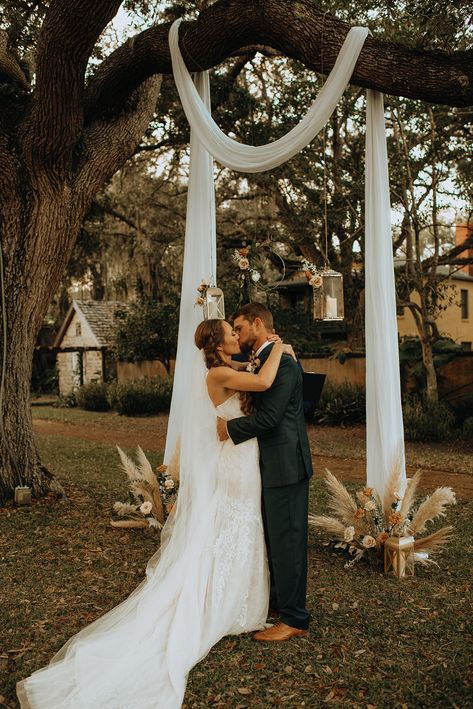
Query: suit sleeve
x=273 y=406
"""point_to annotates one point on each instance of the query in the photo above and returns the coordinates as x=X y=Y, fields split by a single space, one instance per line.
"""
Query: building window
x=78 y=329
x=466 y=346
x=464 y=304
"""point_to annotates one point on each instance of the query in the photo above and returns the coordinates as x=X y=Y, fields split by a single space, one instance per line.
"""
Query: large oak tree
x=62 y=138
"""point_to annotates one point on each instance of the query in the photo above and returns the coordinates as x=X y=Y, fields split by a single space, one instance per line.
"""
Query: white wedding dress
x=209 y=580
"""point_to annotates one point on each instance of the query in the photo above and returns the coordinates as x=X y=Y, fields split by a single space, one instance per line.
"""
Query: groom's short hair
x=250 y=311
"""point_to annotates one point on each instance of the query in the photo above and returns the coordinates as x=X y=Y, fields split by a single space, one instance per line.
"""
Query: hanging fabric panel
x=384 y=426
x=199 y=262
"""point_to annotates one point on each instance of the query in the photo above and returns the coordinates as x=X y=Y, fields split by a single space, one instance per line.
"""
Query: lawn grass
x=374 y=641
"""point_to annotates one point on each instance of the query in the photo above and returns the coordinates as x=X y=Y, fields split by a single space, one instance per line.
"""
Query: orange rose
x=395 y=518
x=382 y=537
x=244 y=251
x=359 y=513
x=308 y=275
x=368 y=491
x=162 y=468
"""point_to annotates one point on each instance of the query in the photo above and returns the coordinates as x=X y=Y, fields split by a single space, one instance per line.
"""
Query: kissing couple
x=233 y=547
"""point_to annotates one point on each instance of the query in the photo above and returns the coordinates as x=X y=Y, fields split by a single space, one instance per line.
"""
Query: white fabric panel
x=199 y=262
x=249 y=158
x=384 y=426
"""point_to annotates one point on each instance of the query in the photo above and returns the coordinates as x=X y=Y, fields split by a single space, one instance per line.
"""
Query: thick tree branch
x=10 y=72
x=299 y=30
x=106 y=145
x=68 y=35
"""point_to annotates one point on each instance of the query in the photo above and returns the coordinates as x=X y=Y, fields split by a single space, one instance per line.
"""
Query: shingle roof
x=101 y=315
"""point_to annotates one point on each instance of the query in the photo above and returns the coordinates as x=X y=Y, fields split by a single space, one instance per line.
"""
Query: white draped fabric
x=384 y=414
x=384 y=426
x=200 y=258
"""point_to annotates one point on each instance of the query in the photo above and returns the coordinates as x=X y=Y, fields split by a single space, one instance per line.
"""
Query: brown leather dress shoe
x=279 y=633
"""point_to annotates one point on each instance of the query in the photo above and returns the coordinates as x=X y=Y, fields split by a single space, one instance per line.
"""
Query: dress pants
x=285 y=512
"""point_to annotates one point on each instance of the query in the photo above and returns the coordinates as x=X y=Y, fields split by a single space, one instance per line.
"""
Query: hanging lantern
x=328 y=296
x=214 y=305
x=399 y=556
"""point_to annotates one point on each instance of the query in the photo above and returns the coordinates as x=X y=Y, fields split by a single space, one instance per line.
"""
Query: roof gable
x=100 y=316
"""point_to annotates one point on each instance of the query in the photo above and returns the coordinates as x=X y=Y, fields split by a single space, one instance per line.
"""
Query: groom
x=286 y=467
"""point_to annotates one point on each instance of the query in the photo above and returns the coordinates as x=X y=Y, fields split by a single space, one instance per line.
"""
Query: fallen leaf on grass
x=244 y=690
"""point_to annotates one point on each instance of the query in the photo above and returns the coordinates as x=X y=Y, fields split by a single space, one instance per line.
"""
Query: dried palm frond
x=432 y=507
x=124 y=508
x=143 y=482
x=340 y=502
x=434 y=542
x=408 y=499
x=129 y=523
x=329 y=524
x=395 y=483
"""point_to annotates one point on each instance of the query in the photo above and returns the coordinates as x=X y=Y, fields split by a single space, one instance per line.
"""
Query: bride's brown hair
x=208 y=336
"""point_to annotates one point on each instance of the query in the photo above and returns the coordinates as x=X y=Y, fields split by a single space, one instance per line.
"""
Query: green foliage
x=142 y=396
x=341 y=405
x=67 y=401
x=427 y=421
x=148 y=331
x=467 y=430
x=93 y=397
x=410 y=358
x=44 y=381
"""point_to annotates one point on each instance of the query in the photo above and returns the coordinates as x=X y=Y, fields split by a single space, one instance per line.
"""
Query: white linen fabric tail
x=385 y=443
x=384 y=425
x=199 y=263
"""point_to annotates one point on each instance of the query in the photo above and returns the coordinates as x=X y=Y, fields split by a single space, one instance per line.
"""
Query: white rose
x=370 y=505
x=368 y=541
x=169 y=484
x=255 y=276
x=146 y=508
x=349 y=533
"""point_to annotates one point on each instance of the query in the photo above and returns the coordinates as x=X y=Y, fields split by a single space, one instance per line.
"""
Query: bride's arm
x=244 y=381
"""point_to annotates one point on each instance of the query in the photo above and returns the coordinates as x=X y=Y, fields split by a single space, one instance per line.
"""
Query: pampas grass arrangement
x=150 y=492
x=363 y=524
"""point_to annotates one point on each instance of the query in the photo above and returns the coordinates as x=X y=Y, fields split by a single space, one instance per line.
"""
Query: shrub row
x=344 y=405
x=142 y=396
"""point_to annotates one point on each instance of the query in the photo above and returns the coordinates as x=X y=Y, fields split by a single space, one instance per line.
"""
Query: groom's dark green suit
x=286 y=467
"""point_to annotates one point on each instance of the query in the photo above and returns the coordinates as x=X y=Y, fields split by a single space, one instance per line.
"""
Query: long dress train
x=139 y=654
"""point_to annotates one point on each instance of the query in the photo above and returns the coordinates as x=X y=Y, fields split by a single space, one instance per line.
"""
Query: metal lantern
x=23 y=495
x=399 y=556
x=214 y=304
x=328 y=297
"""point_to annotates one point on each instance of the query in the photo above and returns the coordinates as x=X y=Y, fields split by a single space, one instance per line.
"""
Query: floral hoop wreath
x=247 y=272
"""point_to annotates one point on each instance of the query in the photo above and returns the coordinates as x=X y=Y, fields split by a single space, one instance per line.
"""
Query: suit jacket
x=280 y=427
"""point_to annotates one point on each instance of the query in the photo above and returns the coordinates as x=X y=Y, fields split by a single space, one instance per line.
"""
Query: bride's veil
x=154 y=636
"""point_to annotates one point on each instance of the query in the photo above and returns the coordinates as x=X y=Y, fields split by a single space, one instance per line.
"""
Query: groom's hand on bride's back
x=222 y=429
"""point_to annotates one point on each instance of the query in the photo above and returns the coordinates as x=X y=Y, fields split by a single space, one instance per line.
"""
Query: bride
x=208 y=579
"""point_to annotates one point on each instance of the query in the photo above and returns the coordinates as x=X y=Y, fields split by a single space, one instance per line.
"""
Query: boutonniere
x=254 y=363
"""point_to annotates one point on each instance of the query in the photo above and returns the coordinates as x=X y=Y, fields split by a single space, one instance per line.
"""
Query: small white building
x=87 y=332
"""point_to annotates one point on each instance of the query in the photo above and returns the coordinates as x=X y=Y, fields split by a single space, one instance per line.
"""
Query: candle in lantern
x=330 y=307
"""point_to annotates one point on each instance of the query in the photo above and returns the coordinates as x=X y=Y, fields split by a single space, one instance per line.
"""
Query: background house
x=86 y=334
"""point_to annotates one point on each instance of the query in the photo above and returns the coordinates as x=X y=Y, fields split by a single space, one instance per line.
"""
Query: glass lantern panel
x=332 y=295
x=214 y=305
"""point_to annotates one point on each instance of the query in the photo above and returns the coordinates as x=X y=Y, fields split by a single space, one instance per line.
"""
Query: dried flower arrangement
x=152 y=494
x=363 y=525
x=312 y=273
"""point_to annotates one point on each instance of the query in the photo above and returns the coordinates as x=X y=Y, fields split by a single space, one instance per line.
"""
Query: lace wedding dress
x=210 y=579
